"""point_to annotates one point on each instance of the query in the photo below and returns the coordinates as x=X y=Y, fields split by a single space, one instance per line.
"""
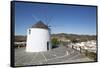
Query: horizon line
x=62 y=33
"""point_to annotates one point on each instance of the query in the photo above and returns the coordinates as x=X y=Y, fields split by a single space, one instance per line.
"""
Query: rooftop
x=40 y=24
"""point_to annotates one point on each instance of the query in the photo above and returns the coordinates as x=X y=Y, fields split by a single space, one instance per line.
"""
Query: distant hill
x=73 y=36
x=20 y=38
x=61 y=36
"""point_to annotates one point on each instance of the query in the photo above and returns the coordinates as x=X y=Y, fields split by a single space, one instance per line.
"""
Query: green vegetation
x=91 y=55
x=54 y=42
x=74 y=41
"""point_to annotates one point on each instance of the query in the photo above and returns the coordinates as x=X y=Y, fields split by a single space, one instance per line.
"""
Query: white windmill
x=38 y=37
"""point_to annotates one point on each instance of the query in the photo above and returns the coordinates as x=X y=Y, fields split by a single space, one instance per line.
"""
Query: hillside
x=20 y=38
x=61 y=36
x=64 y=36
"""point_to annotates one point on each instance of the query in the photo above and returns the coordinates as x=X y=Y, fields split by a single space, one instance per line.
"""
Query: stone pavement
x=54 y=56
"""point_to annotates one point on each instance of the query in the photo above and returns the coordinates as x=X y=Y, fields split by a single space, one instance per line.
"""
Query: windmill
x=38 y=36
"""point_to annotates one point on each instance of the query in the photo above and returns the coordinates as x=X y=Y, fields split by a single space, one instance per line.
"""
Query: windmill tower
x=38 y=38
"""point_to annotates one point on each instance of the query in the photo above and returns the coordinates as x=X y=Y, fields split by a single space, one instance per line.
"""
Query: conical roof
x=40 y=24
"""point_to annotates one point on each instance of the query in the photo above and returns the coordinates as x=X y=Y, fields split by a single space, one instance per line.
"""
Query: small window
x=29 y=31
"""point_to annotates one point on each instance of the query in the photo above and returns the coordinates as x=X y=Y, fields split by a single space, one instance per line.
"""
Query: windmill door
x=47 y=45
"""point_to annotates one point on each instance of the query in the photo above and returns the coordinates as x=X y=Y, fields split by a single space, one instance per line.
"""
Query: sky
x=70 y=19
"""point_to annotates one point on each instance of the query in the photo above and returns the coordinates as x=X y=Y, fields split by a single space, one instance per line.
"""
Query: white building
x=38 y=38
x=88 y=45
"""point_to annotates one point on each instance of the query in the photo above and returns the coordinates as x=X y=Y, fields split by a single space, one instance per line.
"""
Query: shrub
x=91 y=55
x=54 y=42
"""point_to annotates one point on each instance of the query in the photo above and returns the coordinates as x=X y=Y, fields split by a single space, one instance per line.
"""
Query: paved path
x=57 y=55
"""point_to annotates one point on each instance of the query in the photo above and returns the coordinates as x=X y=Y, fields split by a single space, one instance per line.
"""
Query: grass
x=91 y=55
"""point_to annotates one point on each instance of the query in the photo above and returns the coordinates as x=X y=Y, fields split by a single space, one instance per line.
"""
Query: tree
x=74 y=41
x=55 y=42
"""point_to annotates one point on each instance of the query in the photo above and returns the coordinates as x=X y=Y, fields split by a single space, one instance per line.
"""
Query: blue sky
x=62 y=18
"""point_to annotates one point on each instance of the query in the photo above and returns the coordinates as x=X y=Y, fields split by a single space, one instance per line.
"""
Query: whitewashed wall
x=37 y=40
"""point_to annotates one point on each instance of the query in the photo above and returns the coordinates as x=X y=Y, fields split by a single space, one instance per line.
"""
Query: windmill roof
x=40 y=24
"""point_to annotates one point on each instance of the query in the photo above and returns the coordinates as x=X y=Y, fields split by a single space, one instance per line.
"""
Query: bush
x=54 y=42
x=91 y=55
x=74 y=41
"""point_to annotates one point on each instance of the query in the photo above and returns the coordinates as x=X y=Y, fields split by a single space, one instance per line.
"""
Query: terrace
x=61 y=54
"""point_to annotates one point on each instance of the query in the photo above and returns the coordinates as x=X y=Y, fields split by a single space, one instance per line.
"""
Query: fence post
x=80 y=49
